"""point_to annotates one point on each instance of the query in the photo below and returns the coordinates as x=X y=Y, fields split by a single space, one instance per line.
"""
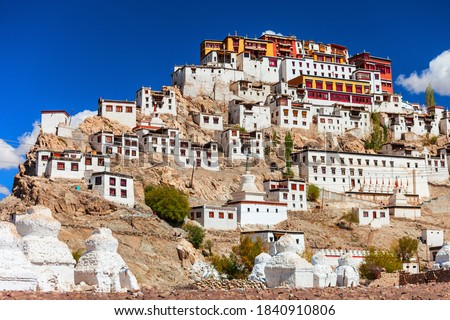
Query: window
x=343 y=172
x=112 y=181
x=118 y=108
x=221 y=215
x=98 y=181
x=129 y=109
x=61 y=166
x=333 y=170
x=382 y=214
x=359 y=162
x=198 y=215
x=230 y=215
x=133 y=153
x=108 y=139
x=44 y=158
x=294 y=186
x=324 y=170
x=112 y=192
x=365 y=214
x=88 y=161
x=101 y=162
x=211 y=214
x=123 y=182
x=74 y=166
x=123 y=193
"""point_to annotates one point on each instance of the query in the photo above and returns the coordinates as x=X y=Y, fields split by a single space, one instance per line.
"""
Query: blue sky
x=57 y=55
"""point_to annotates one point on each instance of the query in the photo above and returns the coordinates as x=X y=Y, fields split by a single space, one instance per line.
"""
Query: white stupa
x=258 y=267
x=16 y=272
x=323 y=273
x=252 y=208
x=287 y=268
x=51 y=259
x=102 y=266
x=346 y=272
x=442 y=260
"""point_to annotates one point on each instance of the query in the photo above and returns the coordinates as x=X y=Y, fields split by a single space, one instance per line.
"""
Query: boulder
x=51 y=259
x=346 y=272
x=16 y=272
x=258 y=268
x=102 y=266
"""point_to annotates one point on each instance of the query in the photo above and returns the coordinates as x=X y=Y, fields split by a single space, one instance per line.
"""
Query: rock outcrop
x=346 y=272
x=287 y=268
x=51 y=259
x=323 y=273
x=16 y=272
x=102 y=266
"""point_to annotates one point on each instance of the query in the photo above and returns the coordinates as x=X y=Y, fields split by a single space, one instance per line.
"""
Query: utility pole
x=192 y=176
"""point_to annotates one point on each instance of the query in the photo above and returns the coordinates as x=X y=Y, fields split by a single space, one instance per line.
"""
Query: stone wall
x=425 y=277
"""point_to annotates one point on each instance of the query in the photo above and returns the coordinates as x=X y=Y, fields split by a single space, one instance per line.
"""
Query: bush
x=228 y=265
x=312 y=192
x=405 y=248
x=433 y=140
x=77 y=254
x=208 y=246
x=378 y=260
x=195 y=235
x=240 y=262
x=168 y=203
x=247 y=250
x=350 y=217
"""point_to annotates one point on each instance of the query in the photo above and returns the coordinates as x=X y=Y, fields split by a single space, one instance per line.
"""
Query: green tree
x=169 y=204
x=376 y=261
x=196 y=235
x=275 y=140
x=288 y=146
x=379 y=134
x=429 y=96
x=312 y=192
x=405 y=248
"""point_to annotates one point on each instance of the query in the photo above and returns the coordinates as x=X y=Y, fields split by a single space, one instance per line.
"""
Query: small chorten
x=102 y=266
x=16 y=272
x=287 y=268
x=51 y=259
x=323 y=273
x=346 y=272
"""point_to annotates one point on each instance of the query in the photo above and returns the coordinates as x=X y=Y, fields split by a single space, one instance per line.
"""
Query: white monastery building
x=118 y=110
x=52 y=119
x=236 y=145
x=251 y=206
x=289 y=191
x=249 y=115
x=214 y=217
x=208 y=121
x=115 y=187
x=375 y=218
x=126 y=145
x=159 y=102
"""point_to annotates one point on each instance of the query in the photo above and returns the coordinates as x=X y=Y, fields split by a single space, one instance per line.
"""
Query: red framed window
x=61 y=166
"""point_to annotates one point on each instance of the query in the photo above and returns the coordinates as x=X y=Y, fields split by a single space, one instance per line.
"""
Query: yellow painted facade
x=238 y=45
x=315 y=81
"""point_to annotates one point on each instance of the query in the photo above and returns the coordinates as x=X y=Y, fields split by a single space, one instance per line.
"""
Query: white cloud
x=11 y=156
x=438 y=75
x=272 y=33
x=80 y=116
x=4 y=190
